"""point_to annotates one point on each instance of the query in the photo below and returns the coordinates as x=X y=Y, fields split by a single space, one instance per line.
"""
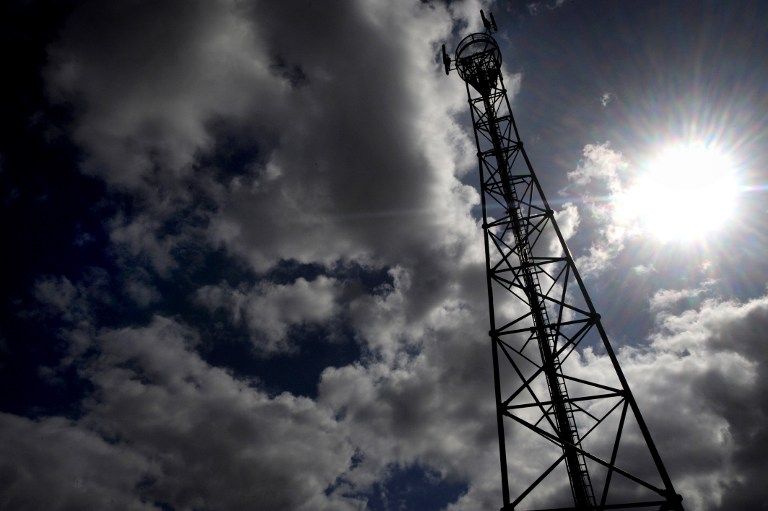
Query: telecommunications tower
x=571 y=436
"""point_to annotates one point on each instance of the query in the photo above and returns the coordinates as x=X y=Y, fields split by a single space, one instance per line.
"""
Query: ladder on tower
x=565 y=421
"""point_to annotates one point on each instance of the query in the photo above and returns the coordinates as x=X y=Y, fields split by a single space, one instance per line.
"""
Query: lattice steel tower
x=585 y=421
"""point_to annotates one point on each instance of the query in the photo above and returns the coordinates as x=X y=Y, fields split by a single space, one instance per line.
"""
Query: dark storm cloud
x=147 y=77
x=52 y=463
x=346 y=153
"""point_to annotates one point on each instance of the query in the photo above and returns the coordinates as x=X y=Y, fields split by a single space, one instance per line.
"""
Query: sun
x=687 y=192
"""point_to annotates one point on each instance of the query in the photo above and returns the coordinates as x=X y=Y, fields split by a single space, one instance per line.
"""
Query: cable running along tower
x=598 y=451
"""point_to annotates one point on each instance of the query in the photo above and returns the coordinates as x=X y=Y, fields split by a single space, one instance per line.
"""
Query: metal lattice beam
x=540 y=316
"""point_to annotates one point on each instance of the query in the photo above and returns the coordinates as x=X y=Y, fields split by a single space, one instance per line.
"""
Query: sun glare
x=686 y=192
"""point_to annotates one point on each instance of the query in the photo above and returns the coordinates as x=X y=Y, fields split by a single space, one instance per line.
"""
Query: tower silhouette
x=558 y=418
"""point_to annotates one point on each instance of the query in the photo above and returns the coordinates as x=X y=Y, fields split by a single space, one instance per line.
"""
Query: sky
x=244 y=263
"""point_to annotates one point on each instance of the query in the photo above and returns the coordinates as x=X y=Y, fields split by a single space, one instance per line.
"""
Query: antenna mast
x=540 y=315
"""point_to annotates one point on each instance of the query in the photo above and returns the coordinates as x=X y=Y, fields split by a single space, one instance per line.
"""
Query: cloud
x=698 y=384
x=52 y=463
x=269 y=310
x=600 y=179
x=666 y=299
x=214 y=441
x=358 y=158
x=430 y=401
x=721 y=373
x=156 y=76
x=568 y=222
x=57 y=292
x=601 y=165
x=694 y=382
x=141 y=293
x=536 y=8
x=371 y=166
x=141 y=239
x=643 y=269
x=73 y=302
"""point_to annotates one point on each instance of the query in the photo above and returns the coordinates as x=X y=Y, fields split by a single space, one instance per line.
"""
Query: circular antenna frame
x=478 y=61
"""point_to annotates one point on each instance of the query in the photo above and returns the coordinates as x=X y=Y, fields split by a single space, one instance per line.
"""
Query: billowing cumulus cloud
x=164 y=427
x=150 y=76
x=713 y=374
x=344 y=155
x=269 y=310
x=665 y=300
x=217 y=441
x=369 y=171
x=699 y=380
x=601 y=178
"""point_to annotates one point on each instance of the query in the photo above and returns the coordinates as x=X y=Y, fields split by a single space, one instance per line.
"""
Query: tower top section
x=478 y=61
x=477 y=58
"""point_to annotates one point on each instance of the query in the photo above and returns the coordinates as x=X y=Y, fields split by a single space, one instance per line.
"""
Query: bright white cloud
x=714 y=371
x=665 y=299
x=601 y=165
x=643 y=269
x=567 y=220
x=598 y=178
